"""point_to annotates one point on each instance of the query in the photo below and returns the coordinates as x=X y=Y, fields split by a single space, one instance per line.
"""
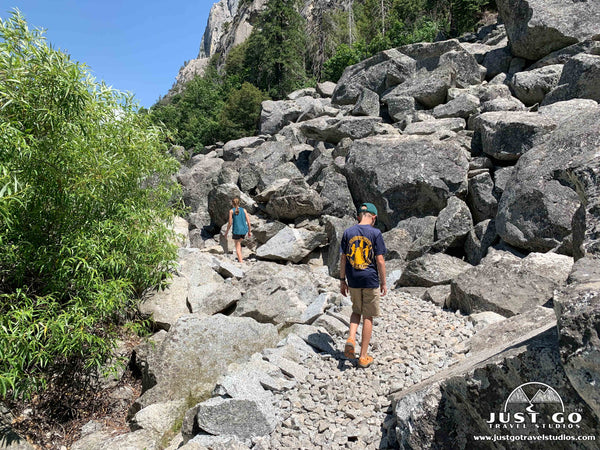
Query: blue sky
x=132 y=45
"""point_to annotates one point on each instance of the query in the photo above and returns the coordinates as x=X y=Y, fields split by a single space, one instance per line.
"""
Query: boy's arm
x=381 y=273
x=343 y=284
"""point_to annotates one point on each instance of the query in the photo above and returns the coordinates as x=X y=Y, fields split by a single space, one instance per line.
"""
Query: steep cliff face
x=230 y=23
x=221 y=14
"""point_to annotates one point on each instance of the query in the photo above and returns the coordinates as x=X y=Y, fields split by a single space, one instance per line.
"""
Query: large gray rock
x=583 y=172
x=503 y=104
x=537 y=207
x=196 y=351
x=449 y=55
x=579 y=79
x=294 y=199
x=277 y=294
x=480 y=238
x=438 y=295
x=291 y=244
x=197 y=181
x=326 y=88
x=429 y=89
x=463 y=106
x=272 y=304
x=432 y=270
x=378 y=73
x=578 y=305
x=405 y=176
x=566 y=112
x=233 y=149
x=484 y=92
x=265 y=195
x=266 y=230
x=166 y=306
x=537 y=27
x=315 y=107
x=215 y=298
x=333 y=188
x=561 y=56
x=158 y=417
x=532 y=86
x=367 y=104
x=269 y=162
x=453 y=224
x=457 y=404
x=197 y=267
x=334 y=129
x=481 y=198
x=497 y=61
x=194 y=281
x=219 y=203
x=398 y=242
x=243 y=419
x=507 y=135
x=304 y=92
x=578 y=312
x=422 y=232
x=506 y=284
x=550 y=265
x=275 y=115
x=335 y=227
x=502 y=176
x=427 y=127
x=479 y=49
x=103 y=439
x=400 y=106
x=246 y=381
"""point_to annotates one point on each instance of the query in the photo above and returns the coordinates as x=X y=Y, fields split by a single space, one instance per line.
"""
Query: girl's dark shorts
x=238 y=236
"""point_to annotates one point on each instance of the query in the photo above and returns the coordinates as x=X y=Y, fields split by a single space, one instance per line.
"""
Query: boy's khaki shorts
x=365 y=301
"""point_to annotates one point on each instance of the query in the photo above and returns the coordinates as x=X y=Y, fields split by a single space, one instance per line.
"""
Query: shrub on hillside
x=193 y=114
x=241 y=112
x=85 y=198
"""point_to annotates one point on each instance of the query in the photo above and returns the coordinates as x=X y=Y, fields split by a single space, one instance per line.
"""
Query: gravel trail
x=343 y=406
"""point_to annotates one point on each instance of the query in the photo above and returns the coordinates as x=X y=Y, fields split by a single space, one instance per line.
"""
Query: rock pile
x=481 y=155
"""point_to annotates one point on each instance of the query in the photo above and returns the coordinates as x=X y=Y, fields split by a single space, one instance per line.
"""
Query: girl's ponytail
x=236 y=205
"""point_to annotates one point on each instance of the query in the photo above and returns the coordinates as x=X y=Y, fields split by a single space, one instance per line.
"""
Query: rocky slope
x=483 y=162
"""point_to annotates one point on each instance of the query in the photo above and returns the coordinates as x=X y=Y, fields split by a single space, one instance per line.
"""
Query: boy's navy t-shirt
x=361 y=244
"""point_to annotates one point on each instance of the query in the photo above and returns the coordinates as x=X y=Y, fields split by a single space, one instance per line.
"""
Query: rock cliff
x=229 y=24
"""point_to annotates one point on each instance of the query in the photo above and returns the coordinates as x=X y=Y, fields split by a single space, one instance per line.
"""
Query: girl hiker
x=241 y=226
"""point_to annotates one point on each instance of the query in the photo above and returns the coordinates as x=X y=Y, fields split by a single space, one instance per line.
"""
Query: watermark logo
x=534 y=405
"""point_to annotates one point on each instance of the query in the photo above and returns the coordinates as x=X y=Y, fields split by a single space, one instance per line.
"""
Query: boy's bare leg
x=354 y=322
x=367 y=330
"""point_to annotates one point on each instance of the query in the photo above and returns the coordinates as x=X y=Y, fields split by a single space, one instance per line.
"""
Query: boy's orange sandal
x=349 y=349
x=365 y=361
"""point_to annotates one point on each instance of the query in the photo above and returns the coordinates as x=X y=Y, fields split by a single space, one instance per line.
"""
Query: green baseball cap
x=368 y=207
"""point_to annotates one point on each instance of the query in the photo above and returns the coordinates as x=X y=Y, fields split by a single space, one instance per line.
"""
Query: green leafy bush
x=241 y=112
x=193 y=114
x=344 y=56
x=213 y=107
x=465 y=14
x=85 y=200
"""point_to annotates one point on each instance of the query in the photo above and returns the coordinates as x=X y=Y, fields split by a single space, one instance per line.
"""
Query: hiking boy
x=363 y=266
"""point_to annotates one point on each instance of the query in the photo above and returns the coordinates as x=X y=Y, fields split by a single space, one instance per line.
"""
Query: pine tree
x=276 y=49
